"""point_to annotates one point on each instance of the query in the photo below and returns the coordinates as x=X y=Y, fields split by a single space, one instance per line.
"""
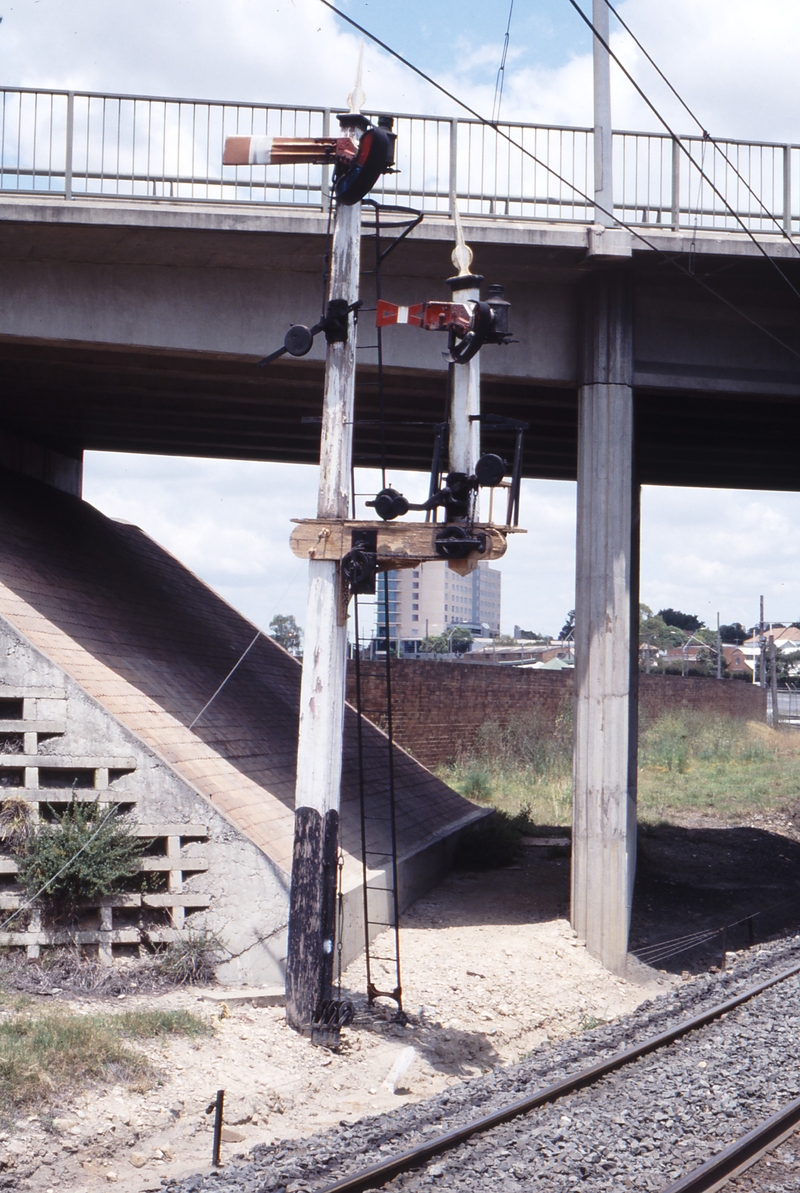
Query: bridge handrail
x=76 y=143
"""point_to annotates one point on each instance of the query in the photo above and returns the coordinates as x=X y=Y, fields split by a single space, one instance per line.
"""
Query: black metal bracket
x=334 y=324
x=360 y=564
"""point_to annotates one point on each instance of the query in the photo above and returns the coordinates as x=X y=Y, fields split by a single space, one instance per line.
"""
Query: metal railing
x=74 y=144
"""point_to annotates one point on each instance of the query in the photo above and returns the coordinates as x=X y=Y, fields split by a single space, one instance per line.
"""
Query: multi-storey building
x=432 y=599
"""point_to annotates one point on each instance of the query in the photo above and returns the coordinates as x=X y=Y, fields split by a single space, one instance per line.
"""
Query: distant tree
x=504 y=640
x=733 y=634
x=531 y=636
x=459 y=641
x=654 y=631
x=287 y=633
x=683 y=621
x=568 y=627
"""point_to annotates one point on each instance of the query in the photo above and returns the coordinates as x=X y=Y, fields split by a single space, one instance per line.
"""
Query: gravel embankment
x=639 y=1128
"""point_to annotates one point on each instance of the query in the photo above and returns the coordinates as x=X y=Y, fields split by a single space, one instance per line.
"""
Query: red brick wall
x=438 y=707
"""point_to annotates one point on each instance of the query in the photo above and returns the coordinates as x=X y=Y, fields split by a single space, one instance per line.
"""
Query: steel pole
x=603 y=176
x=312 y=900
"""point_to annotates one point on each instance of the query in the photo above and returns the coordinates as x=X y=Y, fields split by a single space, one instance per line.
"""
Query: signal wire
x=590 y=202
x=501 y=72
x=677 y=141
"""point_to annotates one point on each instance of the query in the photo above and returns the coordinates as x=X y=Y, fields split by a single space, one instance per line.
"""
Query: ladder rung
x=388 y=889
x=382 y=923
x=388 y=960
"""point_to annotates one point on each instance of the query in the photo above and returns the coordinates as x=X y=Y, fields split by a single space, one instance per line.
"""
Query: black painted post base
x=312 y=919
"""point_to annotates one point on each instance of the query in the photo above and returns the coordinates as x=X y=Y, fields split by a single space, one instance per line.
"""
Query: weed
x=155 y=1024
x=192 y=960
x=687 y=761
x=16 y=823
x=476 y=785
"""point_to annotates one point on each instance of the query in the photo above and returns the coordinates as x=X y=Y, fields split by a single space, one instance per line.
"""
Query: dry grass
x=44 y=1053
x=725 y=766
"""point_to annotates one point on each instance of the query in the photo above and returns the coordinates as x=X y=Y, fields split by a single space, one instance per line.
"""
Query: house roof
x=151 y=643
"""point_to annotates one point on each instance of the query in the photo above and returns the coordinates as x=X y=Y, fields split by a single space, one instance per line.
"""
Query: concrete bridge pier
x=606 y=624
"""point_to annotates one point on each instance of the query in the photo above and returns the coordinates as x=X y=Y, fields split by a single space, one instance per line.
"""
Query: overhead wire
x=501 y=70
x=683 y=149
x=706 y=134
x=590 y=202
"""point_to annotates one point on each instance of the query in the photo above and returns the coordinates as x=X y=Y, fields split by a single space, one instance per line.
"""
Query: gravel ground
x=779 y=1172
x=639 y=1129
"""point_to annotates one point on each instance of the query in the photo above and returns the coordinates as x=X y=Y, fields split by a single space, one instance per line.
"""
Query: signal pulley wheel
x=454 y=543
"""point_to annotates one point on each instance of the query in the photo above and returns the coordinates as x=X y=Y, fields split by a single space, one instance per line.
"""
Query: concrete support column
x=606 y=626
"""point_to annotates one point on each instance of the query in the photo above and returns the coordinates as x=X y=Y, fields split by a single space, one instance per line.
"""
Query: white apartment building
x=431 y=599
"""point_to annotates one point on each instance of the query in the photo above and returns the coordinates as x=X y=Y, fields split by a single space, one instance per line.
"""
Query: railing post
x=676 y=184
x=325 y=183
x=787 y=189
x=453 y=166
x=68 y=148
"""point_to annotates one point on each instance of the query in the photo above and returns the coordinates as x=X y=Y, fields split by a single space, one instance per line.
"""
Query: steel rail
x=740 y=1155
x=379 y=1174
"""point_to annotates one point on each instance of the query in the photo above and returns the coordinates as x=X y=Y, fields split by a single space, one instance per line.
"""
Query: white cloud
x=735 y=62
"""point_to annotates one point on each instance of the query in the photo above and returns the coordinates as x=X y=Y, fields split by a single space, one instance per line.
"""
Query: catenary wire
x=706 y=134
x=677 y=141
x=560 y=178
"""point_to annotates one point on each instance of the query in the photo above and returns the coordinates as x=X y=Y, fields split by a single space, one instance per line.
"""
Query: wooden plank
x=400 y=544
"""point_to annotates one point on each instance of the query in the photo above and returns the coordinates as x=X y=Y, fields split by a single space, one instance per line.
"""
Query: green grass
x=688 y=762
x=43 y=1054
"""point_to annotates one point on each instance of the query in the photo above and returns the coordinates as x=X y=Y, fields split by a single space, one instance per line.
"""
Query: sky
x=734 y=62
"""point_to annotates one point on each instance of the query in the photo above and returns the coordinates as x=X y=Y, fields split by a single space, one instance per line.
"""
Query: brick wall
x=438 y=707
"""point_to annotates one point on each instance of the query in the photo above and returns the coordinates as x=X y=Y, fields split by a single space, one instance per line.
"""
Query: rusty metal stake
x=217 y=1106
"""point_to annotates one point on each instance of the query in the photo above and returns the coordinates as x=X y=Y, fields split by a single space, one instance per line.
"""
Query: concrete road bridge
x=140 y=282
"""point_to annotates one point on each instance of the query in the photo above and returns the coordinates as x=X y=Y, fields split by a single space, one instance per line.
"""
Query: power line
x=677 y=141
x=706 y=134
x=560 y=178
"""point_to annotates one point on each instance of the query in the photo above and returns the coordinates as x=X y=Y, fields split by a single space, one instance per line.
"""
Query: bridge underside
x=72 y=398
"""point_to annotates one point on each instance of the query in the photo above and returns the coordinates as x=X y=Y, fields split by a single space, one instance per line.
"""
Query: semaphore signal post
x=344 y=555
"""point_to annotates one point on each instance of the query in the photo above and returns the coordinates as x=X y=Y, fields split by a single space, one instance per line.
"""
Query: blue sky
x=735 y=61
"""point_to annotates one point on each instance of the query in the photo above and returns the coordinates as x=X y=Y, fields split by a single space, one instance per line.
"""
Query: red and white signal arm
x=430 y=316
x=287 y=151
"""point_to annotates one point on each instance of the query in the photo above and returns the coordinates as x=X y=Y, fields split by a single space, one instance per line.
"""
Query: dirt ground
x=491 y=969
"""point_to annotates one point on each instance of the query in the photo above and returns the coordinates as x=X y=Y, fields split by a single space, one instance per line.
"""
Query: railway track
x=683 y=1109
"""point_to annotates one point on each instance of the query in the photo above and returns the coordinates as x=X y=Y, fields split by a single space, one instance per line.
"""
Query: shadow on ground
x=740 y=884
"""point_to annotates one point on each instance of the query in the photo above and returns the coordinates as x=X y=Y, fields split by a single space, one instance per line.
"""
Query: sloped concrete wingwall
x=208 y=874
x=437 y=708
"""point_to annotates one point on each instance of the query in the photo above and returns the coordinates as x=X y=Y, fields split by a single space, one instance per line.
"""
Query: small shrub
x=493 y=842
x=72 y=860
x=192 y=960
x=475 y=785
